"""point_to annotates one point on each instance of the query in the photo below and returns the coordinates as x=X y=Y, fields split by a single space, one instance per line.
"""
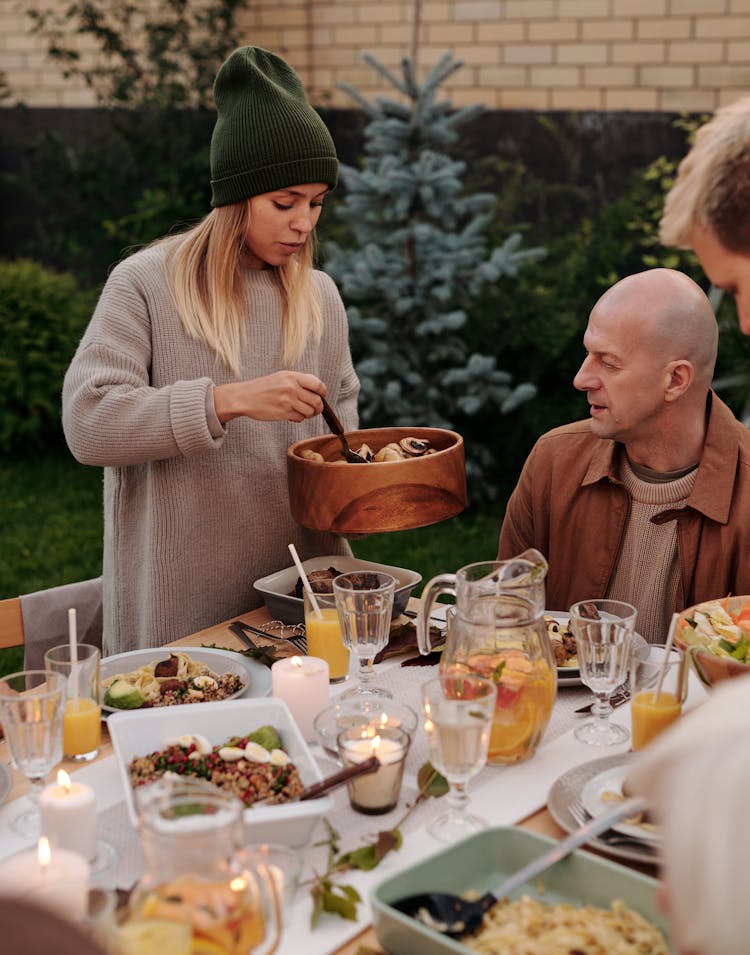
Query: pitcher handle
x=442 y=584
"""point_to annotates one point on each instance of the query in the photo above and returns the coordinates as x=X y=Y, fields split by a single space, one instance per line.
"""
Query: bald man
x=648 y=500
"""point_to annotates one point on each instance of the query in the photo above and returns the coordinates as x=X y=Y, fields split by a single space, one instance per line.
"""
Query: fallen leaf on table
x=403 y=639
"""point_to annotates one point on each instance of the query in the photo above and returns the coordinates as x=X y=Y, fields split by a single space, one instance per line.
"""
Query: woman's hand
x=283 y=396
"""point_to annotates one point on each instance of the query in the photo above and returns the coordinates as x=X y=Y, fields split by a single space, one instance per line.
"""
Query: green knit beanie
x=267 y=136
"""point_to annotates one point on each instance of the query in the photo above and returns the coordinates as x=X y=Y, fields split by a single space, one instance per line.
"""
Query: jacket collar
x=714 y=481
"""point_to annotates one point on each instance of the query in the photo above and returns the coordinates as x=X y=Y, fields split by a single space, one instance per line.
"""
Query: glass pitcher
x=201 y=891
x=497 y=629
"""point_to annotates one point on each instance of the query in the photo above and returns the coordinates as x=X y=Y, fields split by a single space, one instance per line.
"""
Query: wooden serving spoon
x=337 y=428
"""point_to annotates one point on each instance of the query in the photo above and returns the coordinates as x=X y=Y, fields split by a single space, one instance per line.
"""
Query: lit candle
x=302 y=683
x=58 y=880
x=68 y=812
x=376 y=792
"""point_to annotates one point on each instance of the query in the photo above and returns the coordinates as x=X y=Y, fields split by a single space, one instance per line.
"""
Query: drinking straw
x=305 y=581
x=73 y=640
x=667 y=651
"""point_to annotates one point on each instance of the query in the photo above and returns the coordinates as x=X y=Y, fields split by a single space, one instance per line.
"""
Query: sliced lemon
x=204 y=946
x=154 y=937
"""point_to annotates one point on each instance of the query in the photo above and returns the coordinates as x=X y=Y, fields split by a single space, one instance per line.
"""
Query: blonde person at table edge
x=648 y=499
x=708 y=207
x=206 y=357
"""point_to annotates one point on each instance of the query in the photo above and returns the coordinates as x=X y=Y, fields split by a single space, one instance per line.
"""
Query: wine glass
x=32 y=703
x=604 y=632
x=364 y=601
x=458 y=712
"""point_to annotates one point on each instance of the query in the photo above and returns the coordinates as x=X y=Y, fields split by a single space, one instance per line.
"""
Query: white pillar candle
x=302 y=683
x=58 y=880
x=68 y=811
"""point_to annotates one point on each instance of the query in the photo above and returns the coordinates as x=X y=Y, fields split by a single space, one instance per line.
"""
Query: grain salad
x=240 y=766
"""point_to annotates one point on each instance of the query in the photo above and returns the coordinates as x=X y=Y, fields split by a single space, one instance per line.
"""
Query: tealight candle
x=58 y=880
x=68 y=812
x=302 y=683
x=376 y=792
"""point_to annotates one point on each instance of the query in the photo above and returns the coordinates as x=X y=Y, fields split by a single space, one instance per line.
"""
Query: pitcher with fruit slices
x=497 y=630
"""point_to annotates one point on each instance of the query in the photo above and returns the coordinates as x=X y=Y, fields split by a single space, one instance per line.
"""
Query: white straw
x=305 y=581
x=667 y=651
x=73 y=640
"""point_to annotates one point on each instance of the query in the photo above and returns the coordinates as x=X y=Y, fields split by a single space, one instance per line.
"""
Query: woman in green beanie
x=206 y=357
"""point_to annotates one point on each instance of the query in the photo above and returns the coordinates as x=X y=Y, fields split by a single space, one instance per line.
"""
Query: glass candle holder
x=378 y=792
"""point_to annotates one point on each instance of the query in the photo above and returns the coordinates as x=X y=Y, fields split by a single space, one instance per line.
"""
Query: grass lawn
x=51 y=532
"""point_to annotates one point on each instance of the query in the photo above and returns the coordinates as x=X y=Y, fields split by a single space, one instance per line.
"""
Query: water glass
x=365 y=604
x=458 y=713
x=32 y=703
x=651 y=714
x=604 y=632
x=82 y=721
x=324 y=638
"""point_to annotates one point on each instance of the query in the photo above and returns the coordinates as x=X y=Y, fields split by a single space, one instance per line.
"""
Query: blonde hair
x=206 y=276
x=712 y=188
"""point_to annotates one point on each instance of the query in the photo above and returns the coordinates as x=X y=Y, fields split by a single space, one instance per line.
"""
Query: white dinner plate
x=6 y=782
x=602 y=792
x=255 y=676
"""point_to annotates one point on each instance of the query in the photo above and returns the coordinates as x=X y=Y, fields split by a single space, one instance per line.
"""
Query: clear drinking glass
x=82 y=720
x=656 y=666
x=32 y=703
x=458 y=713
x=604 y=633
x=365 y=604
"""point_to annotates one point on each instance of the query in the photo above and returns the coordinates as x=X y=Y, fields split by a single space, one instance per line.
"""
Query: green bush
x=42 y=317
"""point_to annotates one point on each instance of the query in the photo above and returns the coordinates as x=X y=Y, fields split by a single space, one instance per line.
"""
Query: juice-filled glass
x=324 y=640
x=651 y=714
x=82 y=725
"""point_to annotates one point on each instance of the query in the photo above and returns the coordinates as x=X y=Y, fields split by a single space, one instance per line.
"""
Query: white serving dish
x=276 y=587
x=255 y=676
x=140 y=732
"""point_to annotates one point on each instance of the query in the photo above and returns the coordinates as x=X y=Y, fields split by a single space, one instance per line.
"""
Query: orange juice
x=82 y=727
x=525 y=697
x=324 y=641
x=650 y=716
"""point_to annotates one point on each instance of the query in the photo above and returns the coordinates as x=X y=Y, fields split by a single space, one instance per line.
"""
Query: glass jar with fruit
x=201 y=893
x=497 y=630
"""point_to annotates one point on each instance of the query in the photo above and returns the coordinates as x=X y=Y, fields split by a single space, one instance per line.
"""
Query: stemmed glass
x=604 y=633
x=458 y=712
x=364 y=602
x=32 y=703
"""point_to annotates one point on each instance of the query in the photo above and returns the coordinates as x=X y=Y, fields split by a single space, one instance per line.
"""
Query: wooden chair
x=39 y=620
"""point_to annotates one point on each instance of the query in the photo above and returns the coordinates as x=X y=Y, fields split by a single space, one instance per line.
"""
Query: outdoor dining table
x=504 y=795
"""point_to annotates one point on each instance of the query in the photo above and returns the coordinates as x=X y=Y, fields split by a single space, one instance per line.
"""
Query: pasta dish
x=531 y=927
x=177 y=679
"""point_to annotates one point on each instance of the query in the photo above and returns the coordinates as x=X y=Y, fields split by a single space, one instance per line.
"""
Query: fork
x=611 y=836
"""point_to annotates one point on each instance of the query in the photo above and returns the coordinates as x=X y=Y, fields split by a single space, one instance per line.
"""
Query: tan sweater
x=191 y=519
x=647 y=573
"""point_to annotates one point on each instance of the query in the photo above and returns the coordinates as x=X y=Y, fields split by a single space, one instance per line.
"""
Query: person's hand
x=282 y=396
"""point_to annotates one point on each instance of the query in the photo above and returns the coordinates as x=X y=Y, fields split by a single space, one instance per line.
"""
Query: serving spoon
x=337 y=428
x=455 y=916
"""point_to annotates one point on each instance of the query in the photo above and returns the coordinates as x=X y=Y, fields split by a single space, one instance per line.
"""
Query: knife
x=622 y=696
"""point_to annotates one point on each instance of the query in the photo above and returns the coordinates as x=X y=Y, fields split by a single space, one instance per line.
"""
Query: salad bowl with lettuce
x=716 y=636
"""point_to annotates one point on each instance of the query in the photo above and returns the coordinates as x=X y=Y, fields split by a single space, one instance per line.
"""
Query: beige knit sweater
x=191 y=519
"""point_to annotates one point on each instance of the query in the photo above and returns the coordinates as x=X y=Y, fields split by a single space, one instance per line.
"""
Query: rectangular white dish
x=276 y=588
x=140 y=732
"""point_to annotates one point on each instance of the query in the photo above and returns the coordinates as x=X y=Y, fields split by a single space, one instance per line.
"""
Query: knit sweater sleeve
x=112 y=413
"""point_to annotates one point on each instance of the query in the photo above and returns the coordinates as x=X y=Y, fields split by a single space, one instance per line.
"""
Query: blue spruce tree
x=419 y=259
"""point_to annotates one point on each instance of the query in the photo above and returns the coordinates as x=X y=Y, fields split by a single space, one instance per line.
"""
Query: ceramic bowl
x=277 y=588
x=353 y=499
x=710 y=668
x=140 y=732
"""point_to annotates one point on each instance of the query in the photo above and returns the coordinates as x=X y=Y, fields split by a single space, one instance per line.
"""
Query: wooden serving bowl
x=348 y=499
x=710 y=668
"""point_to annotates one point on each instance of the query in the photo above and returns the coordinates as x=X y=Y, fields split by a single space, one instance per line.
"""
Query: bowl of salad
x=716 y=636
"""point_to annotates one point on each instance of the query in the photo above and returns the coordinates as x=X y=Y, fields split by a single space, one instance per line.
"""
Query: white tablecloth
x=503 y=795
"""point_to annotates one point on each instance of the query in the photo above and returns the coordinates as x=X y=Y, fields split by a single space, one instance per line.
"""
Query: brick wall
x=663 y=55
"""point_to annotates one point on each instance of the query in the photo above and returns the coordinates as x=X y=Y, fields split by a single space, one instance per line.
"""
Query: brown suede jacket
x=570 y=504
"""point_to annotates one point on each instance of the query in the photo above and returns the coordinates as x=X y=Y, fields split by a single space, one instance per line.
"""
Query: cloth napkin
x=45 y=618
